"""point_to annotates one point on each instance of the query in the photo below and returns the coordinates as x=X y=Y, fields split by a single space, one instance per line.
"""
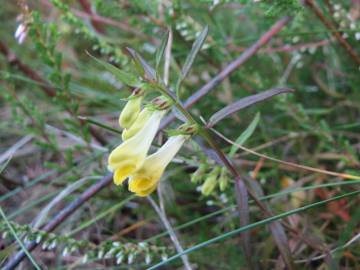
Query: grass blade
x=191 y=57
x=124 y=77
x=161 y=49
x=253 y=225
x=245 y=135
x=8 y=224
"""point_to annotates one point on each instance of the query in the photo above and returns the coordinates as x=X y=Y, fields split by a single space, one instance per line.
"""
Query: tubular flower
x=146 y=178
x=130 y=111
x=140 y=121
x=130 y=155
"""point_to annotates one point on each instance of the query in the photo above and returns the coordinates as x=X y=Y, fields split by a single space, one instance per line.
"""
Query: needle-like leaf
x=245 y=102
x=122 y=76
x=191 y=57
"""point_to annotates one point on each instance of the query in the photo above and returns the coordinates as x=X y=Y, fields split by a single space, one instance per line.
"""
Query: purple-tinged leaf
x=244 y=103
x=124 y=77
x=161 y=49
x=191 y=57
x=142 y=66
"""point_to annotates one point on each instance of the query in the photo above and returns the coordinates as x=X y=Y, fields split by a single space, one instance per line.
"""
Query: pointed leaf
x=122 y=76
x=245 y=135
x=146 y=70
x=244 y=103
x=161 y=49
x=191 y=57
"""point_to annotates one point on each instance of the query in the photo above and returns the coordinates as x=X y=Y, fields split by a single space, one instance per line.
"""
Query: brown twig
x=72 y=207
x=230 y=68
x=286 y=48
x=86 y=6
x=29 y=72
x=60 y=217
x=108 y=21
x=332 y=28
x=13 y=60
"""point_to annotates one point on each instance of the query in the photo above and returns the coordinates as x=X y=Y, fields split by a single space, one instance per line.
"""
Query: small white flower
x=38 y=239
x=357 y=36
x=119 y=257
x=53 y=244
x=130 y=258
x=85 y=259
x=296 y=39
x=21 y=33
x=147 y=258
x=337 y=7
x=65 y=251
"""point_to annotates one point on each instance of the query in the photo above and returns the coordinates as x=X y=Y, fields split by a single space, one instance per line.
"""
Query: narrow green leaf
x=122 y=76
x=103 y=214
x=263 y=198
x=245 y=135
x=146 y=71
x=13 y=232
x=191 y=57
x=99 y=124
x=161 y=49
x=244 y=103
x=252 y=226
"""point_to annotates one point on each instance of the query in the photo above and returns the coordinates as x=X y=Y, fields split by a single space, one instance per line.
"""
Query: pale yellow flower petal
x=139 y=123
x=148 y=176
x=147 y=192
x=130 y=112
x=130 y=155
x=121 y=174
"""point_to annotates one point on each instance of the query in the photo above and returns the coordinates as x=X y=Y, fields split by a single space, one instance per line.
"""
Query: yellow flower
x=130 y=111
x=130 y=155
x=146 y=178
x=140 y=121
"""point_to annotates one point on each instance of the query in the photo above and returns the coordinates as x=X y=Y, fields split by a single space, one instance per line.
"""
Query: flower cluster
x=130 y=159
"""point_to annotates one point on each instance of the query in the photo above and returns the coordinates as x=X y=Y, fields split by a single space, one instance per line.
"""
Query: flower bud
x=140 y=121
x=198 y=175
x=210 y=182
x=224 y=179
x=130 y=111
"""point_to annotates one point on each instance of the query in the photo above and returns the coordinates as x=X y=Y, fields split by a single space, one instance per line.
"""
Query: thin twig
x=86 y=6
x=72 y=207
x=13 y=60
x=286 y=47
x=171 y=232
x=230 y=68
x=60 y=217
x=168 y=57
x=14 y=148
x=108 y=21
x=337 y=34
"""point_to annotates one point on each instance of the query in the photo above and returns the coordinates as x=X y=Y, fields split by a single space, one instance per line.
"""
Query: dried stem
x=86 y=195
x=230 y=68
x=60 y=217
x=329 y=25
x=171 y=232
x=13 y=60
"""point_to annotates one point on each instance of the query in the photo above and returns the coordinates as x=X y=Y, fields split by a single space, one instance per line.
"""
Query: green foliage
x=64 y=88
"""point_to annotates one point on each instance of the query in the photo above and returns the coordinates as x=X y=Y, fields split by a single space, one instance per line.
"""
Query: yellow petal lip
x=134 y=150
x=145 y=179
x=140 y=183
x=147 y=192
x=121 y=174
